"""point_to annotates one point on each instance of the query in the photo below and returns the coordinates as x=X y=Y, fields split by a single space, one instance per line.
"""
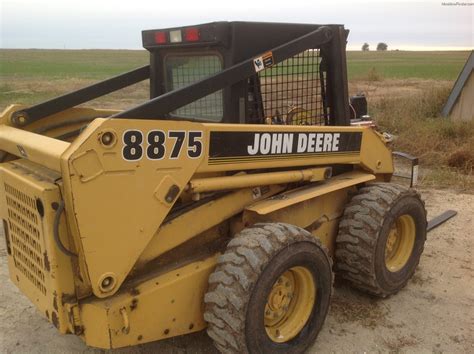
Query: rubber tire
x=245 y=273
x=363 y=232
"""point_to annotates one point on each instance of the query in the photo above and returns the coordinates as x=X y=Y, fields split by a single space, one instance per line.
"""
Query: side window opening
x=185 y=69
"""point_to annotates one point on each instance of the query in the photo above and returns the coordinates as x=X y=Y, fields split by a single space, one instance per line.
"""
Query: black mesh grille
x=291 y=92
x=183 y=70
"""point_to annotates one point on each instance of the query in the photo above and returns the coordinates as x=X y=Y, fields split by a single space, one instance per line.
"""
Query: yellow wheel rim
x=400 y=242
x=289 y=304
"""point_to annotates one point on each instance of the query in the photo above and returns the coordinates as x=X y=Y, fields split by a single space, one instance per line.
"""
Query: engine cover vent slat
x=26 y=236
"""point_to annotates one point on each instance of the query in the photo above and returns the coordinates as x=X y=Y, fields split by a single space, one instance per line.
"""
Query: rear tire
x=381 y=238
x=270 y=291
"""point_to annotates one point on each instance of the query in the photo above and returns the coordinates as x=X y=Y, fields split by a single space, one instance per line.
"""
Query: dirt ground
x=434 y=313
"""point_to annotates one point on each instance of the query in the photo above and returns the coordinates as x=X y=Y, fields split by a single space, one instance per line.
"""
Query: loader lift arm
x=158 y=107
x=69 y=100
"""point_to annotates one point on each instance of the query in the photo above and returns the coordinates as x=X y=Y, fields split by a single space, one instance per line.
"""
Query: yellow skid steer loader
x=226 y=201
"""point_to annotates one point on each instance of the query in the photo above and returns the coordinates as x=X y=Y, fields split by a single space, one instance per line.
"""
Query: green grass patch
x=100 y=64
x=89 y=64
x=404 y=64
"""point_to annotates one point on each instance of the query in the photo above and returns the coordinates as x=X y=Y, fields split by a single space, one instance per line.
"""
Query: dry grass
x=374 y=75
x=35 y=90
x=445 y=148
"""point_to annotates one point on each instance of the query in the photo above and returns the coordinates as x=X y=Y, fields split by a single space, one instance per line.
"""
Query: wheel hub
x=279 y=298
x=400 y=243
x=289 y=304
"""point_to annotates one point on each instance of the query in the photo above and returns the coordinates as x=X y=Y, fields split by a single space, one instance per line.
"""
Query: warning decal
x=263 y=62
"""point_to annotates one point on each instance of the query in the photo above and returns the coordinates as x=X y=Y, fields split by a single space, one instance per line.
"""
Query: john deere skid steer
x=227 y=201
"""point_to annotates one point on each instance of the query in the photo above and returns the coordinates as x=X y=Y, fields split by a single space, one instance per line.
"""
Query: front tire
x=381 y=238
x=270 y=291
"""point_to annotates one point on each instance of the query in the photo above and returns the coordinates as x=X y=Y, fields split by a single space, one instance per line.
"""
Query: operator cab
x=229 y=72
x=309 y=88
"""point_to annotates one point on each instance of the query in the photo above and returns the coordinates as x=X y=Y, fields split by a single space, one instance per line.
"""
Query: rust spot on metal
x=46 y=261
x=68 y=299
x=134 y=304
x=134 y=292
x=140 y=337
x=55 y=319
x=55 y=301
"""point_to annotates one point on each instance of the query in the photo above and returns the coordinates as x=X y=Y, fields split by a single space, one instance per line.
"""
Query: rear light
x=160 y=37
x=175 y=36
x=191 y=34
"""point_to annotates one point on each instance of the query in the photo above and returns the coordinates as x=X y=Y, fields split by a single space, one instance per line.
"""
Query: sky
x=111 y=24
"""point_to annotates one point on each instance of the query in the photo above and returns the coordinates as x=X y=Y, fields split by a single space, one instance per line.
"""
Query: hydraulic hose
x=57 y=218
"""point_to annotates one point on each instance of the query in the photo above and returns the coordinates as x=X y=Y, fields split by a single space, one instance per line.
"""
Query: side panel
x=36 y=266
x=118 y=193
x=178 y=231
x=315 y=208
x=161 y=307
x=319 y=215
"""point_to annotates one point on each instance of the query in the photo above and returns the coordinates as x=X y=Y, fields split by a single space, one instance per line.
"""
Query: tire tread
x=237 y=270
x=359 y=230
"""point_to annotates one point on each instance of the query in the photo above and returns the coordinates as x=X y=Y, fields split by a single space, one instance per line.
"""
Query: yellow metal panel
x=178 y=230
x=36 y=265
x=162 y=307
x=118 y=211
x=37 y=148
x=327 y=233
x=121 y=204
x=299 y=195
x=375 y=157
x=319 y=215
x=96 y=325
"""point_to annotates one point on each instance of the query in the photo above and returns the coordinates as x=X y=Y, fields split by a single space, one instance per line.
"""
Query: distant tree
x=365 y=47
x=382 y=46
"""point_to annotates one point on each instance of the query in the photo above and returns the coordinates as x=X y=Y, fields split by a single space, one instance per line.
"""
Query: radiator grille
x=25 y=236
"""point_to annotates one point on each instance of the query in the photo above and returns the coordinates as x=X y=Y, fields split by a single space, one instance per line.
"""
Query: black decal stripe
x=236 y=144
